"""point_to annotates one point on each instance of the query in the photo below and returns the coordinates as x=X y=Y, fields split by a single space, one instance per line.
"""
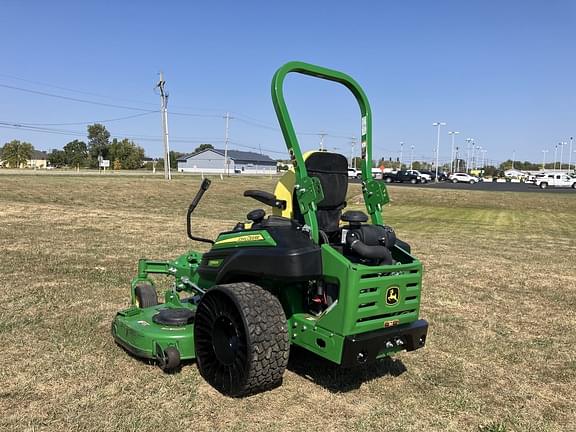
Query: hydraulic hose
x=372 y=252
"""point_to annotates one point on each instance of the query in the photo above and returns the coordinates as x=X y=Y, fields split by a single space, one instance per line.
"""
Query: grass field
x=499 y=293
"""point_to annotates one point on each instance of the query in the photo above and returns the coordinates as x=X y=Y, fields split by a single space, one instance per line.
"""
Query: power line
x=72 y=98
x=16 y=126
x=88 y=93
x=84 y=123
x=91 y=102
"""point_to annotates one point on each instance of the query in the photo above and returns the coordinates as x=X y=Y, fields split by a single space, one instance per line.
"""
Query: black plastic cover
x=295 y=258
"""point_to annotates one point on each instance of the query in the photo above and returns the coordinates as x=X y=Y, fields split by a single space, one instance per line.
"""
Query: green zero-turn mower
x=310 y=274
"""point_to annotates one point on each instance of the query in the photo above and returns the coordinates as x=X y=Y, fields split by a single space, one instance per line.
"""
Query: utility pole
x=226 y=142
x=164 y=110
x=412 y=156
x=401 y=153
x=322 y=135
x=453 y=133
x=438 y=125
x=513 y=157
x=544 y=159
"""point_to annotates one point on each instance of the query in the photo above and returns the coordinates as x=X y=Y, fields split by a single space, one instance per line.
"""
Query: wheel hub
x=225 y=340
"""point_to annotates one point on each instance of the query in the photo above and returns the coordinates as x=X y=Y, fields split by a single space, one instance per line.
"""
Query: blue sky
x=502 y=72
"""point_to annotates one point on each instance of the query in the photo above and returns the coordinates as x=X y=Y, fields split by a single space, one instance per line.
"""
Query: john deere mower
x=332 y=280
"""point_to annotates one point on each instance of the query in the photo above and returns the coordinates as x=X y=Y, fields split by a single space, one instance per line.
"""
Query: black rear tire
x=145 y=295
x=413 y=181
x=543 y=185
x=241 y=339
x=388 y=180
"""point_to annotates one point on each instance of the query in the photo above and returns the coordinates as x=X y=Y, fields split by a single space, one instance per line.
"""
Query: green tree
x=490 y=171
x=16 y=153
x=203 y=147
x=57 y=158
x=98 y=143
x=76 y=153
x=174 y=156
x=128 y=154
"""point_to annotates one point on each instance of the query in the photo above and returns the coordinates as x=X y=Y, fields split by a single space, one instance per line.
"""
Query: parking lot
x=486 y=186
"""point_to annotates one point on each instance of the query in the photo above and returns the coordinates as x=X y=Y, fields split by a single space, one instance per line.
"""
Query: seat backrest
x=332 y=171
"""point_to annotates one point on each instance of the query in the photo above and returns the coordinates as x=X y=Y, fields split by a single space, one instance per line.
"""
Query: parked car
x=441 y=176
x=354 y=173
x=424 y=178
x=401 y=177
x=463 y=178
x=555 y=180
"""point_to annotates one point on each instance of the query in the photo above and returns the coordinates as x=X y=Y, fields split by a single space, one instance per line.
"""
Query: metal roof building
x=239 y=162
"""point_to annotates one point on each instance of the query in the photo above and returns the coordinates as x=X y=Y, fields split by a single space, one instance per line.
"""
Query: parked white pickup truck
x=555 y=180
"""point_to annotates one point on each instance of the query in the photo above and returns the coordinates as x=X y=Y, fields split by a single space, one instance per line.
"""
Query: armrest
x=266 y=198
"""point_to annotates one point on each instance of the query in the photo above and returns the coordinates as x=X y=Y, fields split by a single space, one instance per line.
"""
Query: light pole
x=457 y=159
x=570 y=157
x=438 y=125
x=468 y=141
x=562 y=144
x=544 y=159
x=352 y=157
x=476 y=151
x=401 y=151
x=555 y=154
x=453 y=133
x=513 y=157
x=411 y=156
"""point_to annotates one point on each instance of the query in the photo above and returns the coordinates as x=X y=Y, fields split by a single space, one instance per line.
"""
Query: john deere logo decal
x=392 y=294
x=242 y=239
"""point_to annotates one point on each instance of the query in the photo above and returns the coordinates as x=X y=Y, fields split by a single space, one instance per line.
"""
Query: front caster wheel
x=168 y=359
x=145 y=294
x=241 y=339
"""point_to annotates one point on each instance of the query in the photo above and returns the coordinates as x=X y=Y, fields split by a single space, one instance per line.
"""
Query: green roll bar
x=308 y=188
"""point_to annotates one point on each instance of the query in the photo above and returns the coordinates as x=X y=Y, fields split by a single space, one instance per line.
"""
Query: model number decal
x=243 y=238
x=391 y=323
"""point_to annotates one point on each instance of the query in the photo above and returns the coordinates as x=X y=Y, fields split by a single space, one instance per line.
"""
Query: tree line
x=122 y=154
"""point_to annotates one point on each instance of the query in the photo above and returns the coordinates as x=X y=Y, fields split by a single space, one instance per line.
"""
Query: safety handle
x=331 y=75
x=290 y=135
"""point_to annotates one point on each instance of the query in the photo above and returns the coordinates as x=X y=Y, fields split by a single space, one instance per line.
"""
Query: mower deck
x=137 y=332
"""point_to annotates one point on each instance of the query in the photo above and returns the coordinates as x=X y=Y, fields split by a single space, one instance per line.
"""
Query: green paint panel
x=135 y=329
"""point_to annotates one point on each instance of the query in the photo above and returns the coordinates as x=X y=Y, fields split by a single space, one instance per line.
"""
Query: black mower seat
x=332 y=171
x=174 y=317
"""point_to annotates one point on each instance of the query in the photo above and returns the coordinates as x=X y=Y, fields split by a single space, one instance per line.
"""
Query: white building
x=239 y=162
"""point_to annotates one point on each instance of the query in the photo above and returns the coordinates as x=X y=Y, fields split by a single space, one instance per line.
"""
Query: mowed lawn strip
x=499 y=292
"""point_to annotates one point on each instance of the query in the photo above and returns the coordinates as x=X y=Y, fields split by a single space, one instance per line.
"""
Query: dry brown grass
x=500 y=295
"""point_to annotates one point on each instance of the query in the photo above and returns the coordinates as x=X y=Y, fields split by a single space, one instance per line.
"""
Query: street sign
x=105 y=163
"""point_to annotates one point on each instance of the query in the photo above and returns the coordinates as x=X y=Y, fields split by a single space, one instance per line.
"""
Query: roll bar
x=375 y=194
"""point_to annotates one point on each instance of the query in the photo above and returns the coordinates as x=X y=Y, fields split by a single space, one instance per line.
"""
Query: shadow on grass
x=337 y=379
